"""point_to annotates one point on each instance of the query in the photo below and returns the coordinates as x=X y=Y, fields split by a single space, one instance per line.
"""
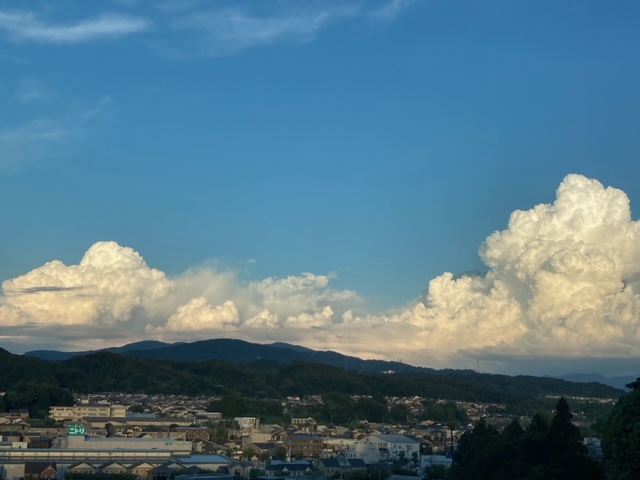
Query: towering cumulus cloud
x=562 y=280
x=108 y=285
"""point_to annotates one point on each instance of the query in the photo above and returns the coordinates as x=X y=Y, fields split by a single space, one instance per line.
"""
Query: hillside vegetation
x=35 y=384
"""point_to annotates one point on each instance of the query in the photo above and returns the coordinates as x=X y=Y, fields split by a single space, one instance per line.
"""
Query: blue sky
x=374 y=143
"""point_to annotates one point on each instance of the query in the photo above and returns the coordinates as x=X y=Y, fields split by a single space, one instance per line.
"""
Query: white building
x=374 y=448
x=247 y=422
x=345 y=446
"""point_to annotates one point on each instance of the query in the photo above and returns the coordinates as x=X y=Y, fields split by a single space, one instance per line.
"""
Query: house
x=81 y=468
x=305 y=424
x=13 y=440
x=164 y=471
x=22 y=413
x=340 y=465
x=40 y=471
x=40 y=442
x=298 y=468
x=13 y=424
x=190 y=433
x=112 y=468
x=260 y=449
x=302 y=421
x=141 y=469
x=247 y=422
x=206 y=446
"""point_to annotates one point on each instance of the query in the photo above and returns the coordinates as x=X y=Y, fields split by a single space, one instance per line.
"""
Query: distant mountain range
x=242 y=352
x=239 y=351
x=616 y=382
x=55 y=355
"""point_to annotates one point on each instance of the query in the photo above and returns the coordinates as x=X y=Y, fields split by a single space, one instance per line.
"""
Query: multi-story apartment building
x=374 y=448
x=78 y=412
x=306 y=445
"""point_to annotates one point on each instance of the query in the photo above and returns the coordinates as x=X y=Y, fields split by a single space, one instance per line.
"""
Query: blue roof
x=350 y=462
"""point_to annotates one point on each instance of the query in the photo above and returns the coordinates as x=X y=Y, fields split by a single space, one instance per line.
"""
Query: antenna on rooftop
x=477 y=365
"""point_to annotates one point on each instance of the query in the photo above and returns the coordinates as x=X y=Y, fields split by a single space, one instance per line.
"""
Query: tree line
x=549 y=451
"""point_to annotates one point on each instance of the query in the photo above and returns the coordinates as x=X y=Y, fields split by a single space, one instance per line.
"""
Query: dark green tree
x=437 y=472
x=621 y=439
x=398 y=413
x=281 y=453
x=568 y=456
x=248 y=453
x=371 y=409
x=219 y=433
x=232 y=404
x=339 y=407
x=541 y=452
x=110 y=430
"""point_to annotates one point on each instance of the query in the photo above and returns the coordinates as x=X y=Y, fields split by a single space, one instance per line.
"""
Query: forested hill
x=35 y=383
x=238 y=351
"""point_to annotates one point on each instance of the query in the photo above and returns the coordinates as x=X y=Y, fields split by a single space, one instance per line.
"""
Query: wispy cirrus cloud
x=197 y=28
x=23 y=26
x=46 y=135
x=32 y=91
x=225 y=31
x=391 y=10
x=41 y=129
x=177 y=6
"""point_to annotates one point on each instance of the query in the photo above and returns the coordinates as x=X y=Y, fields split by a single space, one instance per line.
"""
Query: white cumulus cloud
x=107 y=286
x=308 y=320
x=562 y=280
x=198 y=314
x=264 y=319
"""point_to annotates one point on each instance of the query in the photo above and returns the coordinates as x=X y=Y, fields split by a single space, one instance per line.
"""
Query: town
x=162 y=437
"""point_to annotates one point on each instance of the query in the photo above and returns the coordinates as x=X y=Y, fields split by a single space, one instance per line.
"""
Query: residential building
x=340 y=465
x=304 y=445
x=190 y=434
x=375 y=448
x=40 y=471
x=298 y=468
x=81 y=411
x=247 y=422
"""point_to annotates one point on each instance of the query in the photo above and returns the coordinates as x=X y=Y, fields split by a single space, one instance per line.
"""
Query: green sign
x=75 y=431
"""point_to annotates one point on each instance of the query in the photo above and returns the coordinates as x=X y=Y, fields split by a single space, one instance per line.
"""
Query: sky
x=448 y=183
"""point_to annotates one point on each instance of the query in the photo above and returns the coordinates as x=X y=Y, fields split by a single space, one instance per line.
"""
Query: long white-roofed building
x=77 y=449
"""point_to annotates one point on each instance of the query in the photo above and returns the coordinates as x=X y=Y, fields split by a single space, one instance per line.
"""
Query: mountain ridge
x=243 y=352
x=238 y=351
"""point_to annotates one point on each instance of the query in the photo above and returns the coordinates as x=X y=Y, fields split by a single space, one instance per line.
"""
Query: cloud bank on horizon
x=562 y=281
